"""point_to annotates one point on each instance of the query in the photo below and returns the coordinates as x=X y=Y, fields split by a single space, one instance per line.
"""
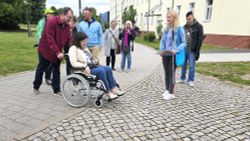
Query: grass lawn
x=155 y=44
x=17 y=53
x=238 y=72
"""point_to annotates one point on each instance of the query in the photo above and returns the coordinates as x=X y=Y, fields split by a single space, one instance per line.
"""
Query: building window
x=209 y=7
x=152 y=19
x=179 y=10
x=168 y=9
x=145 y=19
x=141 y=22
x=191 y=7
x=160 y=5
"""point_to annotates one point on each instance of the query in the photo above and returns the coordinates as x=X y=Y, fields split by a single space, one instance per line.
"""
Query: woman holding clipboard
x=172 y=42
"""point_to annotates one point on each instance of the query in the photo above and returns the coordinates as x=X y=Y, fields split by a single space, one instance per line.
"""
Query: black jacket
x=197 y=37
x=131 y=38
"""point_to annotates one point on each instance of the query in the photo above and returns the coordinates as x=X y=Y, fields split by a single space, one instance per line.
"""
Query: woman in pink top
x=127 y=36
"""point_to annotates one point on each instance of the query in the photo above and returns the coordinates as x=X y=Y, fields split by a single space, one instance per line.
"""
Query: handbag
x=180 y=56
x=118 y=51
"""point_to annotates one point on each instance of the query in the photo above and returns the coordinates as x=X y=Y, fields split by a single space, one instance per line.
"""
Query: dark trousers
x=68 y=65
x=169 y=68
x=112 y=58
x=41 y=68
x=48 y=72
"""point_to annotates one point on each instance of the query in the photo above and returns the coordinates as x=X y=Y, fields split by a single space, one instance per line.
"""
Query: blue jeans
x=129 y=60
x=190 y=58
x=105 y=74
x=41 y=68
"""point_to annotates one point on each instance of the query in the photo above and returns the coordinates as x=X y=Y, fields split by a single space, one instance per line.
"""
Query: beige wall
x=229 y=17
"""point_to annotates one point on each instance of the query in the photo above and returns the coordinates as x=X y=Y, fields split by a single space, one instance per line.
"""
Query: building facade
x=225 y=22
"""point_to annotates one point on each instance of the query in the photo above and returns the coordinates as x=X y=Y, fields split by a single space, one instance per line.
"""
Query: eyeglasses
x=69 y=17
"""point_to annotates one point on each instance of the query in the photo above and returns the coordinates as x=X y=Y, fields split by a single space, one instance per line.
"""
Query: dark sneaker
x=48 y=82
x=59 y=94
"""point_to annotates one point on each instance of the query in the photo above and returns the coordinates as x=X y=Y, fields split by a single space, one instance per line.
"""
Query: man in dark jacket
x=194 y=37
x=56 y=36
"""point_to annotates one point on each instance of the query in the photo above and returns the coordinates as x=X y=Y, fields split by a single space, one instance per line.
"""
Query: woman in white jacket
x=81 y=58
x=111 y=41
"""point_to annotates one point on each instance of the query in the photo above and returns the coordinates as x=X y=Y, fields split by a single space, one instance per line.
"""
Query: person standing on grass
x=111 y=42
x=172 y=41
x=49 y=13
x=93 y=29
x=127 y=37
x=194 y=37
x=56 y=36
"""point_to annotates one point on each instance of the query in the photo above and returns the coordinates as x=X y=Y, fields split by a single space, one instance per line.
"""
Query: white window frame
x=178 y=9
x=192 y=7
x=168 y=9
x=145 y=19
x=152 y=19
x=141 y=22
x=208 y=10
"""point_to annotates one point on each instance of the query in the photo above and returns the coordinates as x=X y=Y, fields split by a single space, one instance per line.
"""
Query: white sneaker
x=112 y=96
x=180 y=81
x=172 y=96
x=169 y=96
x=165 y=93
x=191 y=83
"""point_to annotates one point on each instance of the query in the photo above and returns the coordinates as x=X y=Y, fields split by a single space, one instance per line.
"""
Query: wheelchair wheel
x=76 y=90
x=98 y=103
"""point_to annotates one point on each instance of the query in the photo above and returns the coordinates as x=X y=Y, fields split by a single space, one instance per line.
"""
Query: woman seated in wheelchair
x=81 y=58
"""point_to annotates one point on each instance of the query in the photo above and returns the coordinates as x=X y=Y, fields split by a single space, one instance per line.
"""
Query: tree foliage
x=129 y=14
x=12 y=12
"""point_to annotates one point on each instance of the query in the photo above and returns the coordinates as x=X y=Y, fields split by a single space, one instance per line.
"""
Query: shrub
x=149 y=37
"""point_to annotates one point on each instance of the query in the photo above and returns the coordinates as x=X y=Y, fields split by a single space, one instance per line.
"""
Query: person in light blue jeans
x=190 y=57
x=127 y=36
x=194 y=37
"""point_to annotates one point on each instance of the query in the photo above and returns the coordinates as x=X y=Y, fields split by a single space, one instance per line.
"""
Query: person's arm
x=182 y=38
x=100 y=35
x=121 y=35
x=105 y=37
x=50 y=34
x=163 y=41
x=132 y=35
x=199 y=38
x=39 y=30
x=73 y=59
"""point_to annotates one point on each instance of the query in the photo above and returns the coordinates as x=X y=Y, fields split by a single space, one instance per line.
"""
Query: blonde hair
x=174 y=15
x=129 y=22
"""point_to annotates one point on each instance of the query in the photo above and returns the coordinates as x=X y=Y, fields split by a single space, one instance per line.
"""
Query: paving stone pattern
x=211 y=111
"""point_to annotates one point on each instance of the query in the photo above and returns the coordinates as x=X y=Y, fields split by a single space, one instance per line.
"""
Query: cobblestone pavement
x=21 y=111
x=212 y=110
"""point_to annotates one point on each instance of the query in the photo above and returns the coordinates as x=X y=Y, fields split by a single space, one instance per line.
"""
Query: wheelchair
x=79 y=88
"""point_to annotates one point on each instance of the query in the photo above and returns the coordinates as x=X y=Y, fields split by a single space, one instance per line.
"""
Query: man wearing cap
x=48 y=14
x=56 y=35
x=94 y=31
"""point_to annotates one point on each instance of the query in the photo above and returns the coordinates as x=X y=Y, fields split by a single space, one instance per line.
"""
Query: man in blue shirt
x=93 y=29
